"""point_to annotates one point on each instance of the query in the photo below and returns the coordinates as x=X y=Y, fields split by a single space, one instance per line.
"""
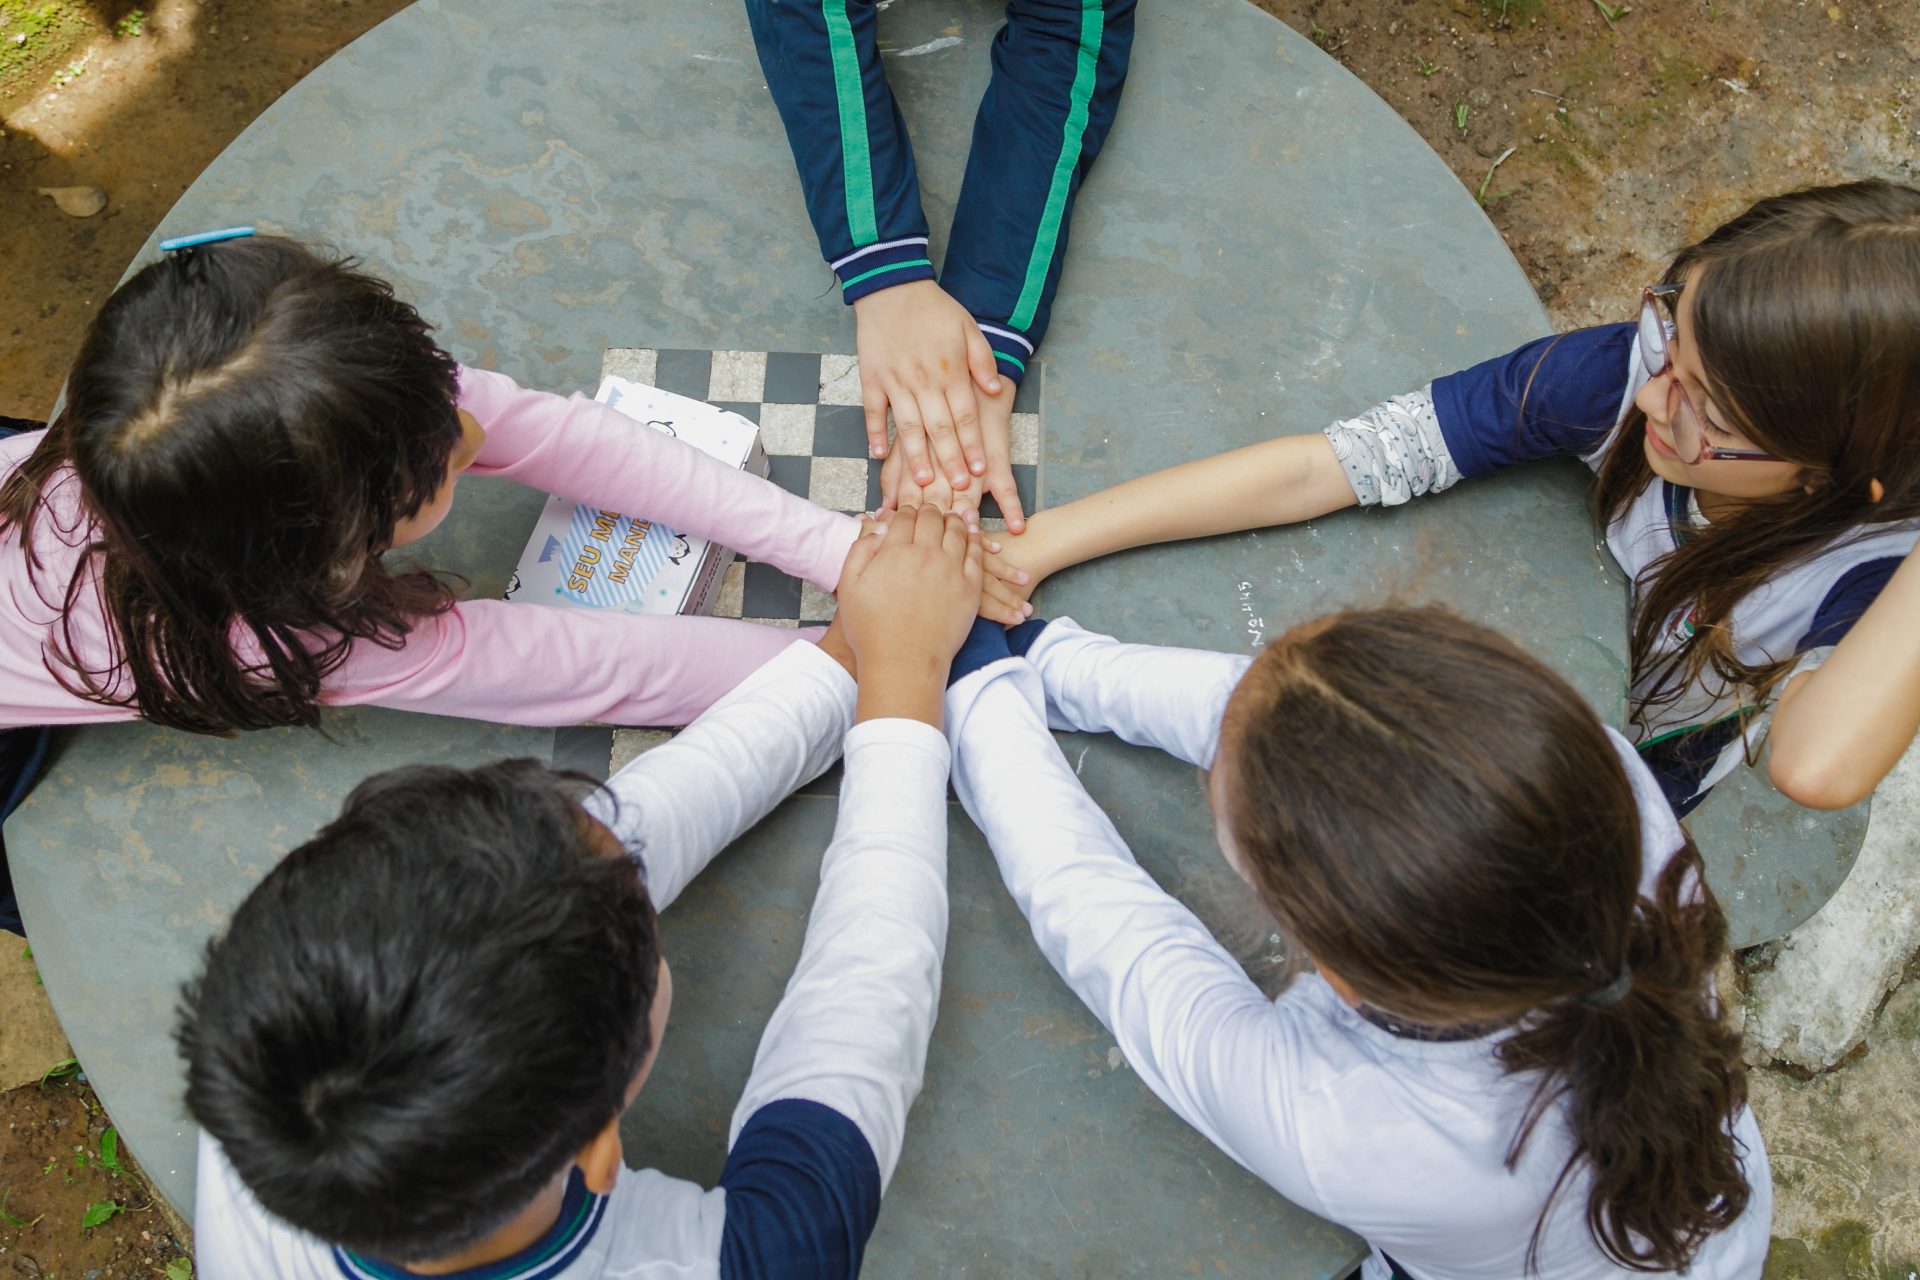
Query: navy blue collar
x=549 y=1256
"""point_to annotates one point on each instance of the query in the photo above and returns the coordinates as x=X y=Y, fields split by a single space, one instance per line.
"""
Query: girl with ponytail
x=1510 y=1060
x=1756 y=434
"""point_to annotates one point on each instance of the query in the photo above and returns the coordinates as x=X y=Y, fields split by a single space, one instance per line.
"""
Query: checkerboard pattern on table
x=815 y=436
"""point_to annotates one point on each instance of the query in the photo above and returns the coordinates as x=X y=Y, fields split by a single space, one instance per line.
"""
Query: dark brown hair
x=1806 y=317
x=1441 y=821
x=247 y=422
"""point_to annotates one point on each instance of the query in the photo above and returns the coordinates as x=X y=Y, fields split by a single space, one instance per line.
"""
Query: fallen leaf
x=80 y=202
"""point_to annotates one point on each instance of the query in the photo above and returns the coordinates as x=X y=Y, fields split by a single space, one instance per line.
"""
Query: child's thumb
x=865 y=547
x=981 y=359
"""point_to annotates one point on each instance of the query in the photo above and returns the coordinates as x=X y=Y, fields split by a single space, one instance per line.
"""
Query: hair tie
x=1614 y=992
x=198 y=238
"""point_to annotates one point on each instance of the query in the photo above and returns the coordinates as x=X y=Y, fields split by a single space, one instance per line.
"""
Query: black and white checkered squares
x=814 y=433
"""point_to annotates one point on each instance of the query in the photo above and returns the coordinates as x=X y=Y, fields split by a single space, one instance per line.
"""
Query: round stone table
x=1263 y=246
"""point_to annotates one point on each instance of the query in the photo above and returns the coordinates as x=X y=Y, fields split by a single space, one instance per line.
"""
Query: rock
x=1816 y=1002
x=80 y=202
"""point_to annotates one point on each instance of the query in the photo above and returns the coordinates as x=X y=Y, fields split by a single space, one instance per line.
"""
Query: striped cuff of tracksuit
x=1011 y=349
x=880 y=266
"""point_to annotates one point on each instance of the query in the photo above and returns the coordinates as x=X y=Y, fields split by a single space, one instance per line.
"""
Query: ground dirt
x=1600 y=138
x=60 y=1170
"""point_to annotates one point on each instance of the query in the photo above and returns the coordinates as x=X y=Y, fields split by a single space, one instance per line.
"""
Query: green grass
x=37 y=36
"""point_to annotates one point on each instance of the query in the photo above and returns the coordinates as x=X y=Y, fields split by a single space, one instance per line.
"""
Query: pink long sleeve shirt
x=487 y=659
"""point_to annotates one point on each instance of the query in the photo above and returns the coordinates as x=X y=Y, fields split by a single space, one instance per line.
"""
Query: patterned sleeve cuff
x=1011 y=349
x=881 y=266
x=1394 y=451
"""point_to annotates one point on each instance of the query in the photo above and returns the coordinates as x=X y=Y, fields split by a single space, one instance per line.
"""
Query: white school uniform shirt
x=1571 y=395
x=1401 y=1141
x=817 y=1133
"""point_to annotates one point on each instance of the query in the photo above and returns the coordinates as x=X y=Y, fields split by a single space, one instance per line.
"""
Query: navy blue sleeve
x=1558 y=395
x=822 y=62
x=1848 y=599
x=803 y=1193
x=985 y=644
x=1058 y=68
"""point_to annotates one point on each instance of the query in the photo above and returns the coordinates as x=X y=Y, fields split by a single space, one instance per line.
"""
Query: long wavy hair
x=1440 y=820
x=1806 y=317
x=246 y=422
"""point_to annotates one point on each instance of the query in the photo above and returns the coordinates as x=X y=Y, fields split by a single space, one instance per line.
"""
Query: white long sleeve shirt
x=1402 y=1141
x=817 y=1132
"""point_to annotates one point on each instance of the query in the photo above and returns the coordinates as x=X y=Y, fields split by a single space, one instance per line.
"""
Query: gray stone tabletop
x=1263 y=246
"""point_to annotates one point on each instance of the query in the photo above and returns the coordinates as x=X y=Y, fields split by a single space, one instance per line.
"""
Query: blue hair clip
x=204 y=237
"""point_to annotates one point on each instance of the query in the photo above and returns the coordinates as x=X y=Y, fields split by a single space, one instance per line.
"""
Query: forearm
x=586 y=452
x=541 y=665
x=1058 y=70
x=1839 y=728
x=1169 y=699
x=1279 y=481
x=849 y=141
x=851 y=1031
x=681 y=803
x=1195 y=1029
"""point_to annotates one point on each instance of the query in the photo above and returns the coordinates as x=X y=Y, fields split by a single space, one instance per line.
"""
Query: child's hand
x=1003 y=594
x=908 y=595
x=921 y=353
x=1018 y=565
x=996 y=437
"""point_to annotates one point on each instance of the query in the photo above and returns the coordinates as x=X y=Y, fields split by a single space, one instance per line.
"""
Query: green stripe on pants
x=1092 y=23
x=856 y=160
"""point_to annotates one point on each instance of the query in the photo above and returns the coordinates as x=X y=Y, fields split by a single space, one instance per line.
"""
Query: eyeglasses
x=1683 y=420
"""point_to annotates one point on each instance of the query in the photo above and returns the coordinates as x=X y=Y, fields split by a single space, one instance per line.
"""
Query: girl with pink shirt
x=198 y=538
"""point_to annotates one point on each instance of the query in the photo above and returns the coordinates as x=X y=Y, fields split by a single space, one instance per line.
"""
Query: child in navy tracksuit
x=1058 y=66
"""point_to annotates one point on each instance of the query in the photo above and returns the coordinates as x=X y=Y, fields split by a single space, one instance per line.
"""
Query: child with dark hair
x=1511 y=1060
x=199 y=538
x=411 y=1049
x=1756 y=438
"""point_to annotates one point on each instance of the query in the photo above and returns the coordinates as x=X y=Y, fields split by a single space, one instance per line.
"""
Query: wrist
x=880 y=267
x=907 y=687
x=1038 y=549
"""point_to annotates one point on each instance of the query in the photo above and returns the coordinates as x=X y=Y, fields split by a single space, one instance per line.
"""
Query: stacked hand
x=908 y=593
x=921 y=355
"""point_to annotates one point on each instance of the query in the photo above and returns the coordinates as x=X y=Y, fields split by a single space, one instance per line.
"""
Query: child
x=411 y=1050
x=198 y=537
x=1058 y=68
x=1511 y=1061
x=1757 y=439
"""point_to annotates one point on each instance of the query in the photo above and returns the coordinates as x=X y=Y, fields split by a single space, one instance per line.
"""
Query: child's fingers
x=976 y=560
x=912 y=438
x=965 y=407
x=929 y=526
x=864 y=549
x=892 y=472
x=953 y=536
x=997 y=604
x=967 y=506
x=982 y=363
x=1005 y=570
x=1005 y=492
x=873 y=404
x=937 y=416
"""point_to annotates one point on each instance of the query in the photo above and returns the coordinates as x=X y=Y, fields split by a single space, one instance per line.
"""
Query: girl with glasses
x=1756 y=441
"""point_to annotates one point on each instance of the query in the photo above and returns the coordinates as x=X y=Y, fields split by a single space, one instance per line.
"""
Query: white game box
x=596 y=559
